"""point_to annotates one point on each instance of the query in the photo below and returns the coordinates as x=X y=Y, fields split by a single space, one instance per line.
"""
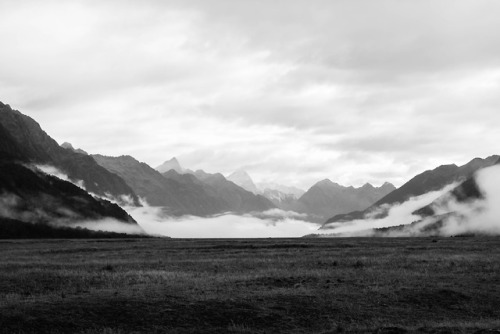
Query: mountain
x=29 y=193
x=170 y=164
x=30 y=197
x=425 y=182
x=182 y=195
x=326 y=199
x=466 y=191
x=433 y=223
x=35 y=146
x=284 y=197
x=70 y=147
x=241 y=178
x=282 y=200
x=238 y=199
x=436 y=179
x=288 y=190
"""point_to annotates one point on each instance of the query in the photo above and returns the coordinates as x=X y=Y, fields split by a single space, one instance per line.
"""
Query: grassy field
x=430 y=285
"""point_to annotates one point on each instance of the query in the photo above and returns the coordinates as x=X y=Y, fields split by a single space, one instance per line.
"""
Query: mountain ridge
x=327 y=198
x=429 y=180
x=38 y=147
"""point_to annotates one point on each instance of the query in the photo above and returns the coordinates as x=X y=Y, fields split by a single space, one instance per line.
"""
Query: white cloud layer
x=293 y=91
x=152 y=220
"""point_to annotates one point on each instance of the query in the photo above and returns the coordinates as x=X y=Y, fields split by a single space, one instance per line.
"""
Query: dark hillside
x=26 y=140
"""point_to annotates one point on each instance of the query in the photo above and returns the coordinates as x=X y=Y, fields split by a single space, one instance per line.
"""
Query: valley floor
x=429 y=285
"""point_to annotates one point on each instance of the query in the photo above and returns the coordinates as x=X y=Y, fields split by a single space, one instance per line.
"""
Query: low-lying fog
x=474 y=216
x=277 y=224
x=479 y=216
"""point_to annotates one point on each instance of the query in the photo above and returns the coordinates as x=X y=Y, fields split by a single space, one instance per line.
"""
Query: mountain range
x=29 y=196
x=323 y=200
x=327 y=198
x=91 y=187
x=428 y=181
x=36 y=146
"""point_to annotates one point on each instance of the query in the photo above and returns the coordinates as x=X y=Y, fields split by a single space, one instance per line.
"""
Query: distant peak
x=127 y=157
x=170 y=164
x=367 y=185
x=241 y=178
x=328 y=183
x=240 y=172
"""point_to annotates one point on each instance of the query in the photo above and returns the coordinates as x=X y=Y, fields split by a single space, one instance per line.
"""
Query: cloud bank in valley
x=153 y=221
x=109 y=225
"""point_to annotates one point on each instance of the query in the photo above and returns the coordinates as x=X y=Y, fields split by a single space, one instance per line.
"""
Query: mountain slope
x=425 y=182
x=170 y=164
x=288 y=190
x=29 y=196
x=238 y=199
x=36 y=146
x=242 y=179
x=326 y=198
x=284 y=201
x=180 y=197
x=436 y=179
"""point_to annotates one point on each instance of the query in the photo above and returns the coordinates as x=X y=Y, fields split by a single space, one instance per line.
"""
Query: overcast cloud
x=292 y=91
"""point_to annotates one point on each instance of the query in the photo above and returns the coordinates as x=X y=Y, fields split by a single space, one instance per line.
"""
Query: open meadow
x=367 y=285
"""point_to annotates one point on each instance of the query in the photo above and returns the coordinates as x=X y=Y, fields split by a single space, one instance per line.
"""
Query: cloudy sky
x=293 y=91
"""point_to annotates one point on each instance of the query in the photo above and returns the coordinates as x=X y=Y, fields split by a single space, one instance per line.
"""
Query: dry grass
x=250 y=286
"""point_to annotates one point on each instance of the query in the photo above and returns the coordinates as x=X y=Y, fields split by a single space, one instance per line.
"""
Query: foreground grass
x=444 y=285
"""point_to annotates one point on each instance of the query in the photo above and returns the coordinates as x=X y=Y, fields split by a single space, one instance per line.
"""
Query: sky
x=292 y=91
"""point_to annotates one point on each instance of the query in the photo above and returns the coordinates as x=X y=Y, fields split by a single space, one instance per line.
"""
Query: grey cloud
x=226 y=84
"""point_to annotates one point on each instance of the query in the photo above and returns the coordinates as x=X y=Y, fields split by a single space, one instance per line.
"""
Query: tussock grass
x=250 y=286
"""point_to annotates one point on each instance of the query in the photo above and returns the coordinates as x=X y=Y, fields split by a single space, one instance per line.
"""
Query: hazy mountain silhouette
x=238 y=199
x=170 y=164
x=182 y=195
x=326 y=198
x=287 y=190
x=282 y=200
x=242 y=179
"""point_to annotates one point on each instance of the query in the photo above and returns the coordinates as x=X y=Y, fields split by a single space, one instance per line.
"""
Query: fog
x=282 y=225
x=452 y=217
x=50 y=210
x=51 y=170
x=109 y=225
x=397 y=214
x=480 y=216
